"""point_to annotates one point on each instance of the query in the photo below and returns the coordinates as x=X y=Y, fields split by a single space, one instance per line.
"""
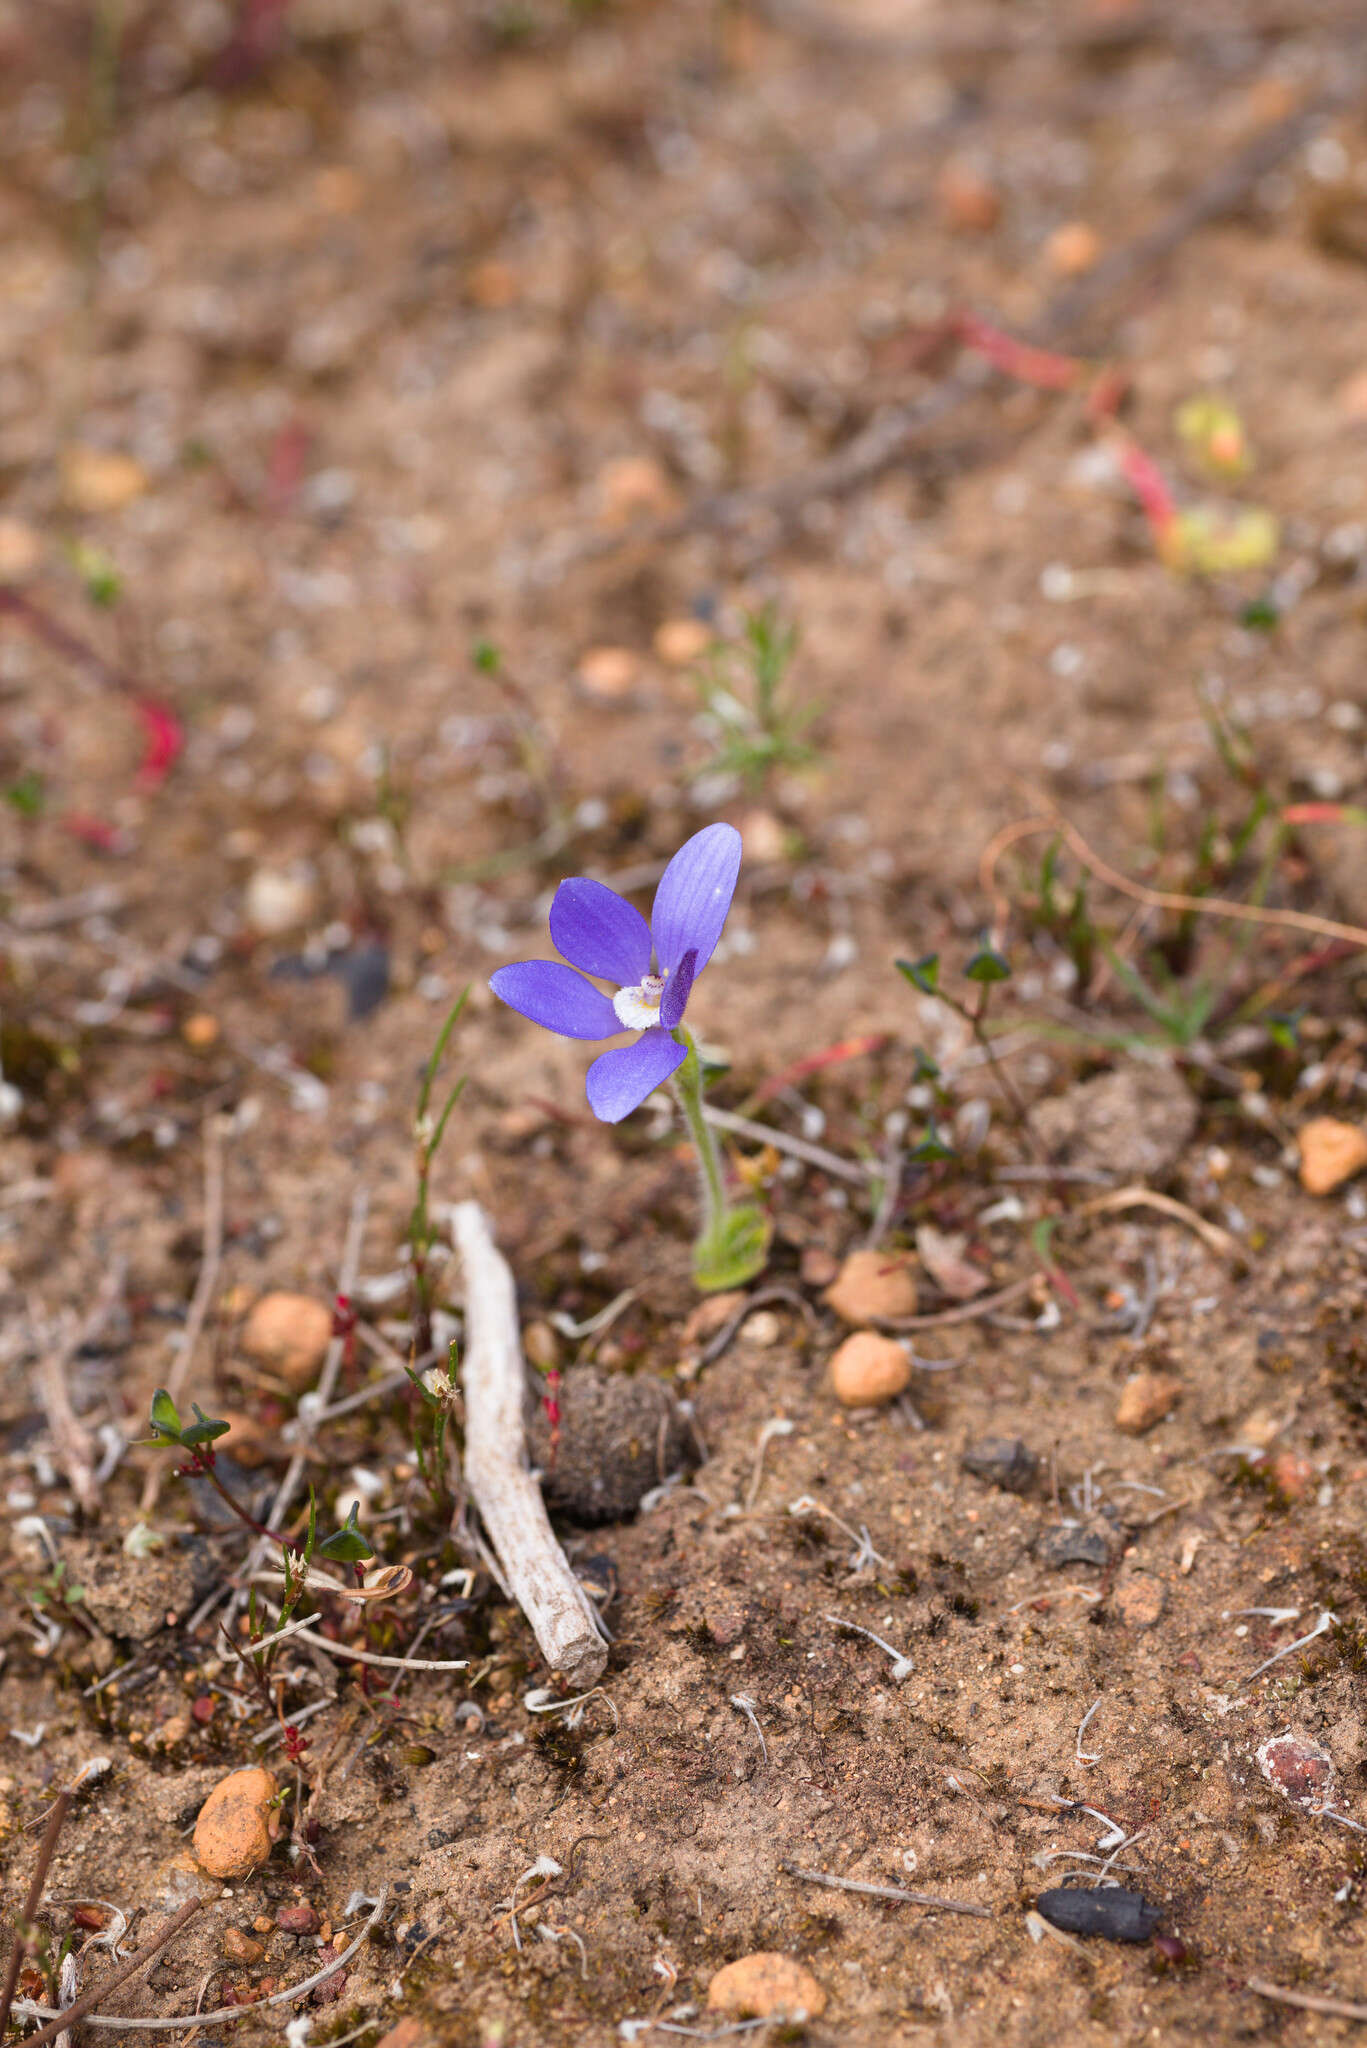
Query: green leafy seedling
x=923 y=974
x=347 y=1545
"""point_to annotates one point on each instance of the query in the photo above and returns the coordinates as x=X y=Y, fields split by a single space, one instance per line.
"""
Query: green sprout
x=755 y=731
x=197 y=1439
x=985 y=968
x=427 y=1137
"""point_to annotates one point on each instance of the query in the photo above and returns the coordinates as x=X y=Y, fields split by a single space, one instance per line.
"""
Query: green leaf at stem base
x=732 y=1250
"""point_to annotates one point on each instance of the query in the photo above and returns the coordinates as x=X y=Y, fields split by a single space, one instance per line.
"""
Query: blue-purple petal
x=678 y=988
x=694 y=896
x=598 y=930
x=556 y=997
x=620 y=1081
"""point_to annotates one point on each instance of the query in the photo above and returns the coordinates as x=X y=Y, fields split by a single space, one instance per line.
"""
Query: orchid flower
x=654 y=967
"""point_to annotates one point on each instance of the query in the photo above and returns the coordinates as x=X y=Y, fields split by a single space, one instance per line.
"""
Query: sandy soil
x=343 y=342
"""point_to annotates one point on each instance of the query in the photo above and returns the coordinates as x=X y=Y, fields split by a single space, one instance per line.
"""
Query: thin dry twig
x=215 y=1130
x=47 y=1849
x=71 y=1439
x=797 y=1148
x=888 y=1891
x=765 y=1298
x=1138 y=892
x=1307 y=2001
x=225 y=2013
x=332 y=1362
x=1209 y=1233
x=84 y=2006
x=964 y=1311
x=497 y=1477
x=348 y=1653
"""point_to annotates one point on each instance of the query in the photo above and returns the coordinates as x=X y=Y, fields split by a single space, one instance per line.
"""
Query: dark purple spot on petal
x=679 y=986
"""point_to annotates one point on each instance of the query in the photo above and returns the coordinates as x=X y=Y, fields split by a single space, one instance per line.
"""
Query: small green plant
x=197 y=1439
x=427 y=1136
x=984 y=970
x=430 y=1417
x=27 y=794
x=98 y=573
x=742 y=685
x=57 y=1592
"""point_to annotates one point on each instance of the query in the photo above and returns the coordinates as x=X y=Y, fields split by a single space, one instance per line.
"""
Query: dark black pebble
x=1114 y=1914
x=1002 y=1461
x=1073 y=1546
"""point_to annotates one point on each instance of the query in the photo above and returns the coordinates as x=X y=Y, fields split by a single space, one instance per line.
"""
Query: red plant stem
x=165 y=735
x=814 y=1063
x=1042 y=367
x=200 y=1470
x=1147 y=481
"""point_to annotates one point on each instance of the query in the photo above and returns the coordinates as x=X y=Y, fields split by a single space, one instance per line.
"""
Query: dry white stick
x=496 y=1472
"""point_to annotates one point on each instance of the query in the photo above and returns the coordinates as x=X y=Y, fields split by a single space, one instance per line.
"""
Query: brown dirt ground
x=375 y=310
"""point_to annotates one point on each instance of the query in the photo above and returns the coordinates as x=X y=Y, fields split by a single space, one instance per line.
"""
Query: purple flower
x=654 y=966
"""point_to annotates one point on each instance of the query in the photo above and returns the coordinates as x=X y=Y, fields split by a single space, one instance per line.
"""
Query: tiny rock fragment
x=763 y=837
x=20 y=551
x=1112 y=1912
x=869 y=1370
x=608 y=674
x=764 y=1985
x=296 y=1919
x=1352 y=396
x=1291 y=1475
x=280 y=899
x=1299 y=1769
x=493 y=285
x=1145 y=1399
x=338 y=189
x=289 y=1334
x=634 y=485
x=411 y=2032
x=1134 y=1123
x=1260 y=1427
x=969 y=201
x=1139 y=1603
x=680 y=642
x=1002 y=1461
x=237 y=1823
x=942 y=1254
x=711 y=1315
x=200 y=1031
x=1057 y=1547
x=1072 y=249
x=541 y=1346
x=100 y=479
x=173 y=1731
x=870 y=1284
x=817 y=1266
x=263 y=1924
x=1331 y=1153
x=239 y=1947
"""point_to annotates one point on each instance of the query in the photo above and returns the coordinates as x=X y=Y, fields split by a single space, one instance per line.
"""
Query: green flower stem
x=733 y=1243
